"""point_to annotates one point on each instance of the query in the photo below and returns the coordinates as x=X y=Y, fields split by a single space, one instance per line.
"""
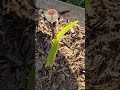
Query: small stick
x=52 y=28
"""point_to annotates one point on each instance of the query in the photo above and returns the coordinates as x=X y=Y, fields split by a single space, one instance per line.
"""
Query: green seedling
x=55 y=45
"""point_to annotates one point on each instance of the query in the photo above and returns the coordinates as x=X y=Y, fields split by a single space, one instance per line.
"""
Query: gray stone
x=76 y=13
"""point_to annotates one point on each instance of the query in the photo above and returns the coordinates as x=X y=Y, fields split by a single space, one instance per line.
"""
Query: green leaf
x=52 y=53
x=55 y=45
x=65 y=29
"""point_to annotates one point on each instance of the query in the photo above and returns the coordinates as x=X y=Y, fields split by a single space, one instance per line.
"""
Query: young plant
x=55 y=45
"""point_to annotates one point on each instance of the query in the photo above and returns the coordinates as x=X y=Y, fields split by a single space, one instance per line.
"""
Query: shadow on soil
x=16 y=50
x=102 y=46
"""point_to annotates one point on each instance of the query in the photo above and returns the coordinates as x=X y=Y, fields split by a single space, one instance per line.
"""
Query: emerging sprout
x=55 y=45
x=51 y=15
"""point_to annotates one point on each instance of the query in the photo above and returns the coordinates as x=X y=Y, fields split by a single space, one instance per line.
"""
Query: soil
x=69 y=67
x=17 y=30
x=17 y=44
x=103 y=45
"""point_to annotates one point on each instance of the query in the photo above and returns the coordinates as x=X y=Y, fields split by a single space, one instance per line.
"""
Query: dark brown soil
x=68 y=70
x=17 y=28
x=17 y=44
x=103 y=45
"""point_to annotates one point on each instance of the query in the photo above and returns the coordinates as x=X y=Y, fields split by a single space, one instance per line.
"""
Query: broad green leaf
x=65 y=29
x=52 y=53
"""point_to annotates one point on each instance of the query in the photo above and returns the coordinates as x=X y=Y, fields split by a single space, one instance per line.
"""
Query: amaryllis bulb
x=51 y=15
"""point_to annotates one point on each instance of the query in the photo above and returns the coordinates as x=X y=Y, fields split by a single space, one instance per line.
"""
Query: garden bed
x=17 y=49
x=68 y=70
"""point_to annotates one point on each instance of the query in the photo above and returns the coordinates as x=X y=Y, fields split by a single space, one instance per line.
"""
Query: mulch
x=17 y=44
x=102 y=45
x=68 y=70
x=17 y=36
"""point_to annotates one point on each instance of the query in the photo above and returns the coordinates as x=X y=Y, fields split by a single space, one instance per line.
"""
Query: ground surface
x=103 y=45
x=102 y=49
x=17 y=29
x=68 y=70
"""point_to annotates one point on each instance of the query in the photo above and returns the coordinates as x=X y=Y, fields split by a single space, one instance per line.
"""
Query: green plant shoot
x=55 y=45
x=65 y=30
